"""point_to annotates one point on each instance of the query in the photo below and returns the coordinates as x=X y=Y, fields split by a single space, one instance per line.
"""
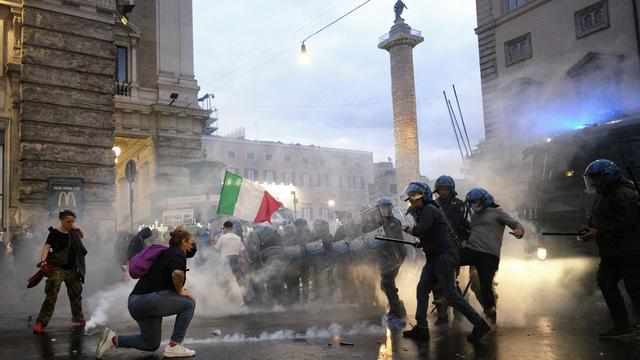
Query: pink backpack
x=141 y=262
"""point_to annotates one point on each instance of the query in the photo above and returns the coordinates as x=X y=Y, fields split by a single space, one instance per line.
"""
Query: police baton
x=384 y=238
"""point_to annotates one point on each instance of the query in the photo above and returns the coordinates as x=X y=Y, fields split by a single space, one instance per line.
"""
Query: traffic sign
x=130 y=171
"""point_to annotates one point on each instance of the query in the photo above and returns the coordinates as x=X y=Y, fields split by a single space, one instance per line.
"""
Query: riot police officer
x=455 y=210
x=267 y=283
x=303 y=236
x=292 y=270
x=391 y=257
x=615 y=226
x=442 y=260
x=345 y=269
x=322 y=264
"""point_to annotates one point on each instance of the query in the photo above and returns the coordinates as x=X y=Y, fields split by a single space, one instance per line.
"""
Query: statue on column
x=398 y=8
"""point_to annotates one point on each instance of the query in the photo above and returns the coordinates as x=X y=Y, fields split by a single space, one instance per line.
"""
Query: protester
x=138 y=242
x=231 y=249
x=159 y=293
x=121 y=247
x=64 y=252
x=485 y=243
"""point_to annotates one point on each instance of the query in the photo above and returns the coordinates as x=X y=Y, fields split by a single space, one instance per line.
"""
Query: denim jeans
x=440 y=270
x=148 y=310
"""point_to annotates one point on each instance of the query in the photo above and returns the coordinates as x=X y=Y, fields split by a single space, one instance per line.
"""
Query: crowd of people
x=296 y=263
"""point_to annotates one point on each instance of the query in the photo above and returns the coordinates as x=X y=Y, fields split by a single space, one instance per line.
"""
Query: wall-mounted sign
x=177 y=217
x=66 y=193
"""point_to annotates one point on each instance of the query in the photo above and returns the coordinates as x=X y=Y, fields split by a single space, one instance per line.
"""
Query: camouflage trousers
x=72 y=281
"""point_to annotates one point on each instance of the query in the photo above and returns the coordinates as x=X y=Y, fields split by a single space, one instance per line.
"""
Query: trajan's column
x=399 y=42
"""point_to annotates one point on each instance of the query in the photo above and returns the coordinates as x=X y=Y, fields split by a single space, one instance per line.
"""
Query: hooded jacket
x=616 y=216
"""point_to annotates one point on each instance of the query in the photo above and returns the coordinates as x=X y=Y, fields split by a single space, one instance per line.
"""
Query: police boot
x=397 y=309
x=417 y=333
x=619 y=331
x=478 y=331
x=491 y=315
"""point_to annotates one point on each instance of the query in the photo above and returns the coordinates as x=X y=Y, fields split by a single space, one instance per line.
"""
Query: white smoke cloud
x=332 y=331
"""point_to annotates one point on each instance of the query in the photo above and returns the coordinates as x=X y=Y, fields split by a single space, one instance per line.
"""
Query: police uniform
x=390 y=258
x=616 y=216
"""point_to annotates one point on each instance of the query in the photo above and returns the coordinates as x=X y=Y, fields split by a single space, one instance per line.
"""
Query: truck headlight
x=542 y=253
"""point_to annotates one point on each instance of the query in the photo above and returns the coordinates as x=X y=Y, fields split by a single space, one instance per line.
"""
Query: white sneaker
x=105 y=342
x=178 y=350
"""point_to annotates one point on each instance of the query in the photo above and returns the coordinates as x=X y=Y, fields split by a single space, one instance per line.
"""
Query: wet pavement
x=317 y=334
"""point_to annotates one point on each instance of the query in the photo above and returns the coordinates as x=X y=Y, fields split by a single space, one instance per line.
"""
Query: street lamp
x=116 y=151
x=304 y=55
x=331 y=204
x=295 y=202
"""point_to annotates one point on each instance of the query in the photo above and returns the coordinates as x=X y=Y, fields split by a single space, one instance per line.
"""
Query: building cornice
x=216 y=138
x=85 y=9
x=532 y=4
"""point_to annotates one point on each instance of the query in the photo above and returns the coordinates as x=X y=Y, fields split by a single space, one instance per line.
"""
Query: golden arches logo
x=69 y=199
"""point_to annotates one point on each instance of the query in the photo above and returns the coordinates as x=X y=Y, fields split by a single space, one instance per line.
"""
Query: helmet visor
x=591 y=184
x=411 y=196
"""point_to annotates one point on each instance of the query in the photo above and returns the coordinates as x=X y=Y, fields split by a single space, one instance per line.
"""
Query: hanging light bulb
x=304 y=55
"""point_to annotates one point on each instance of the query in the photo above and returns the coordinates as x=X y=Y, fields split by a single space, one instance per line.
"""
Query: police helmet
x=480 y=194
x=320 y=224
x=300 y=222
x=606 y=169
x=384 y=201
x=445 y=181
x=289 y=229
x=417 y=189
x=266 y=233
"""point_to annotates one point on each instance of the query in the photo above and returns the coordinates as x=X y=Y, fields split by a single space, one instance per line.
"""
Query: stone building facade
x=316 y=174
x=63 y=108
x=154 y=54
x=549 y=66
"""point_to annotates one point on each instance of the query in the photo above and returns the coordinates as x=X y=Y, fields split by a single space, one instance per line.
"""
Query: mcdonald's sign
x=66 y=199
x=66 y=193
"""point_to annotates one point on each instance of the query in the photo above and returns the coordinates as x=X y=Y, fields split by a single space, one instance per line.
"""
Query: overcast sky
x=246 y=53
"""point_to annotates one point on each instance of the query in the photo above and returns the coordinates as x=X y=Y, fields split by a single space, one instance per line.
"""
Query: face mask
x=191 y=253
x=476 y=208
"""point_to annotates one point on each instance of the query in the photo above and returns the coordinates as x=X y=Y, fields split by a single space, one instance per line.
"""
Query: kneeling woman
x=159 y=293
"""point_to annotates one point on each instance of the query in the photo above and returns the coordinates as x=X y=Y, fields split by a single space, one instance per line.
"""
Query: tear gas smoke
x=525 y=287
x=332 y=331
x=106 y=305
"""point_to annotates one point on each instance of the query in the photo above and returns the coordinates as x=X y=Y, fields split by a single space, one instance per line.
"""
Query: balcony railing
x=106 y=6
x=210 y=125
x=122 y=89
x=388 y=35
